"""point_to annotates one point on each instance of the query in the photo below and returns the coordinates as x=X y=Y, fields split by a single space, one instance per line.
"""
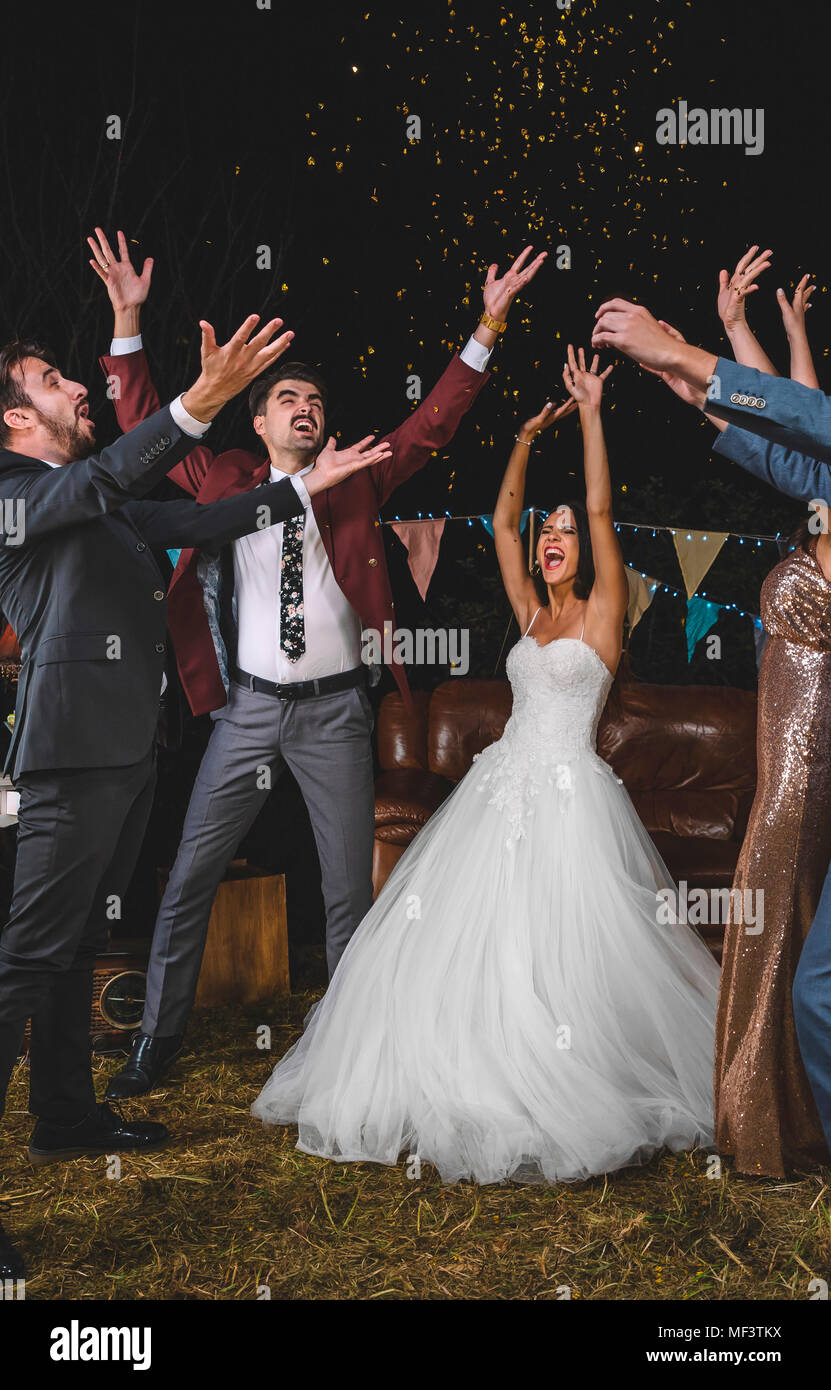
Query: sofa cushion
x=702 y=862
x=690 y=812
x=686 y=755
x=405 y=799
x=465 y=717
x=402 y=737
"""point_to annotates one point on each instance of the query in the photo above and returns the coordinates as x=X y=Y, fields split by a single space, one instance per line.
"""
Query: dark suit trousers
x=79 y=835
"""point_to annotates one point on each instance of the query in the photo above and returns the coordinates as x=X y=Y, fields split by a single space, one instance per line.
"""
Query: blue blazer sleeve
x=778 y=409
x=790 y=472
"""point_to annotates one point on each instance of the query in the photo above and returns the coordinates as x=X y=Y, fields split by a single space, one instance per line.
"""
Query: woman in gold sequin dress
x=765 y=1112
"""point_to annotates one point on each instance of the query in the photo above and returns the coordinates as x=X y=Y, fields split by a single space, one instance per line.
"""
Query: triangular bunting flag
x=642 y=590
x=696 y=551
x=421 y=540
x=701 y=615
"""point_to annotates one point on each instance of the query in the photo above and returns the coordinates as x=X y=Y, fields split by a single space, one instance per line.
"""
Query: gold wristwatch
x=495 y=325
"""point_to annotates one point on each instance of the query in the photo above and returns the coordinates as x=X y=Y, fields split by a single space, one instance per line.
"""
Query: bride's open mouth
x=553 y=557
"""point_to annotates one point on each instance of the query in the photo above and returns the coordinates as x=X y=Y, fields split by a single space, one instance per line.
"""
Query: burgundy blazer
x=346 y=515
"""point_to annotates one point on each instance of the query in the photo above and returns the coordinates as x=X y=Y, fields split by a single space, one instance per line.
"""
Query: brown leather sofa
x=686 y=755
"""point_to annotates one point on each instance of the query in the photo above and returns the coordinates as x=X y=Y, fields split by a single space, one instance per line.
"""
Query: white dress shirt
x=332 y=627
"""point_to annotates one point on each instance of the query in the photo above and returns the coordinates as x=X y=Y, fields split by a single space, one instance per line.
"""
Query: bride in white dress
x=512 y=1006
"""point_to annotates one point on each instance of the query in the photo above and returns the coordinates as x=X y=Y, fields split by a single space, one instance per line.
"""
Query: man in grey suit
x=82 y=590
x=780 y=431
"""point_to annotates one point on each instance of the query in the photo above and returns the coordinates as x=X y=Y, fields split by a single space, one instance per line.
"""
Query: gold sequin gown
x=765 y=1112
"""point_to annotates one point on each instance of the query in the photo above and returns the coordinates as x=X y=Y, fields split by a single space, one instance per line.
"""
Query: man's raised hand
x=127 y=289
x=333 y=464
x=499 y=294
x=227 y=370
x=630 y=328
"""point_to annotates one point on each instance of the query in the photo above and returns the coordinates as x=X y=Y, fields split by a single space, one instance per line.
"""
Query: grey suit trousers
x=325 y=741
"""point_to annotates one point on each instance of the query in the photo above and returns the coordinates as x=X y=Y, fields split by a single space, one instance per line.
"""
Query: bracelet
x=526 y=442
x=496 y=325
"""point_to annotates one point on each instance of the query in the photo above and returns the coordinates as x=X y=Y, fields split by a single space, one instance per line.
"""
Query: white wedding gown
x=511 y=1007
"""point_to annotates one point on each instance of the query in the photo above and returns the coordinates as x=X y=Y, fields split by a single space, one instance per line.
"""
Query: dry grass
x=230 y=1207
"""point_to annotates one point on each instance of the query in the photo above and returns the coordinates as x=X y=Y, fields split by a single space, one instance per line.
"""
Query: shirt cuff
x=475 y=354
x=119 y=347
x=186 y=422
x=301 y=490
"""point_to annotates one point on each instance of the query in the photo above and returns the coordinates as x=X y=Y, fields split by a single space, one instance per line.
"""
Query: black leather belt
x=301 y=690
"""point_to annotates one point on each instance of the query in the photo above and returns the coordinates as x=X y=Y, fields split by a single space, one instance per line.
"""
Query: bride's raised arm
x=610 y=593
x=510 y=551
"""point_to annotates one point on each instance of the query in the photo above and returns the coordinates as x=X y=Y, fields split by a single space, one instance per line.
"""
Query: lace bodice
x=559 y=692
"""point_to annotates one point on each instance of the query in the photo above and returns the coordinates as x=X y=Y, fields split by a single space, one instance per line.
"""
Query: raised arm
x=129 y=383
x=776 y=408
x=609 y=597
x=436 y=420
x=790 y=472
x=507 y=515
x=54 y=498
x=58 y=497
x=733 y=292
x=211 y=525
x=793 y=317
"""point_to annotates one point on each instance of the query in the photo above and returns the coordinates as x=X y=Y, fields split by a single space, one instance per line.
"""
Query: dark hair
x=294 y=371
x=802 y=537
x=12 y=391
x=584 y=579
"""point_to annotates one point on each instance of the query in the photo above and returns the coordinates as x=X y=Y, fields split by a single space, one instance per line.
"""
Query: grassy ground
x=230 y=1207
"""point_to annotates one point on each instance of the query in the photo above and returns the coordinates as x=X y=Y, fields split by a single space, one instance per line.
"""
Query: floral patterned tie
x=292 y=625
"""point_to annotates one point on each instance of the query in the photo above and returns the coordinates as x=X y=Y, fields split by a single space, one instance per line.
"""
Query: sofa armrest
x=405 y=799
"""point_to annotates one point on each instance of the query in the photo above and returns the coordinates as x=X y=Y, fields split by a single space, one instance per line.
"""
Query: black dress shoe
x=11 y=1260
x=103 y=1131
x=148 y=1062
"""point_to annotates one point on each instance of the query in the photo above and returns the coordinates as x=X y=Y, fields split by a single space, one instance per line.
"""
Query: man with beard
x=82 y=590
x=269 y=640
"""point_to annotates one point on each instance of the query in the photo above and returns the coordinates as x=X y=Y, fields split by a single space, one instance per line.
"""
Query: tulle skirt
x=513 y=1006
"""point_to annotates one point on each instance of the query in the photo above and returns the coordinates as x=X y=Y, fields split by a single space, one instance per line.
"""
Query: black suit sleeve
x=53 y=498
x=212 y=524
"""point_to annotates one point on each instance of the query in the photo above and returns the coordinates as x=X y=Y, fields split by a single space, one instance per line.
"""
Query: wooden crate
x=246 y=957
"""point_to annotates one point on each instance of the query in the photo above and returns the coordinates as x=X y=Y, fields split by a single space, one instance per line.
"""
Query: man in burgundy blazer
x=223 y=609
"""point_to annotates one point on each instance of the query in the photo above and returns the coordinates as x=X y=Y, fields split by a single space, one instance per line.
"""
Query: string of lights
x=635 y=527
x=470 y=517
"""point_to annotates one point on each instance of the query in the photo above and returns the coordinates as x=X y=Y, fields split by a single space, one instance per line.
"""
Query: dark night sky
x=245 y=126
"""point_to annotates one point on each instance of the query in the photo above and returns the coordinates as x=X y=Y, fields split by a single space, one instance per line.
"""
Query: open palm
x=126 y=288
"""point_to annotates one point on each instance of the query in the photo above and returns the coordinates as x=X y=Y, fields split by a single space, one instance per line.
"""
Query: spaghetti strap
x=531 y=624
x=583 y=629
